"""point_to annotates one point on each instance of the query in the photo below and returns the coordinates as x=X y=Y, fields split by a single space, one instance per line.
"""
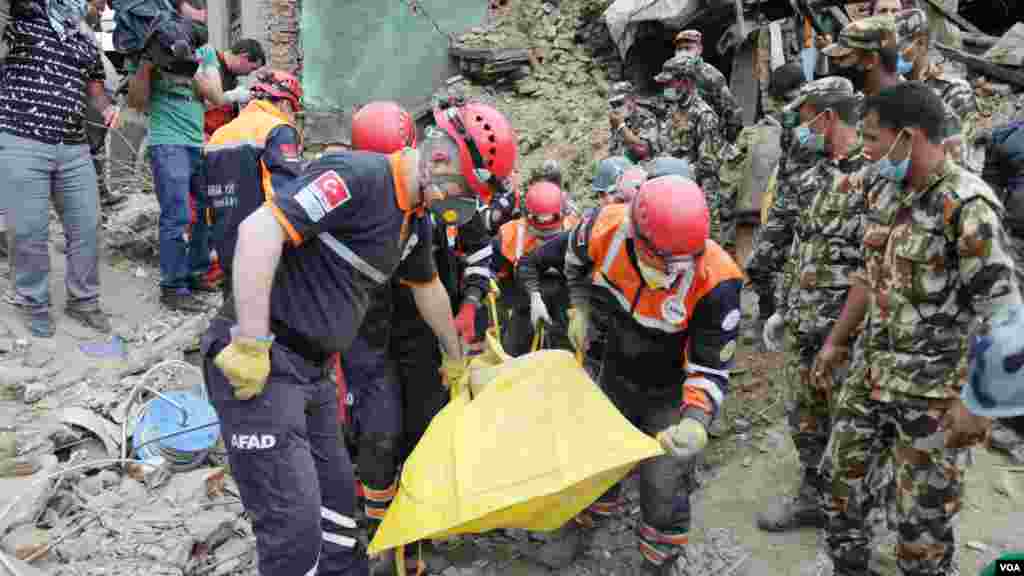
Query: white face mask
x=661 y=280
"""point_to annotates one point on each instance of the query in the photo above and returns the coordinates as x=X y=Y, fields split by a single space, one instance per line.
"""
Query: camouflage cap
x=910 y=23
x=872 y=33
x=620 y=90
x=827 y=86
x=681 y=66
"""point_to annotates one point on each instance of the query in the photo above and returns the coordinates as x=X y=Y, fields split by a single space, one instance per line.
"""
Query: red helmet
x=543 y=206
x=670 y=216
x=383 y=127
x=487 y=144
x=629 y=182
x=278 y=84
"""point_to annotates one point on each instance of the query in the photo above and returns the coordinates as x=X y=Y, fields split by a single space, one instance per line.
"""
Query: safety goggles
x=671 y=263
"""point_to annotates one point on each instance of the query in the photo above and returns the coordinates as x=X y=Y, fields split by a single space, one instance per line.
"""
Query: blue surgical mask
x=809 y=139
x=894 y=172
x=903 y=67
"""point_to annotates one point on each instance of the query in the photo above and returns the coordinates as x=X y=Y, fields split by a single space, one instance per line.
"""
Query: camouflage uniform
x=641 y=121
x=958 y=96
x=712 y=85
x=825 y=252
x=776 y=235
x=691 y=131
x=935 y=262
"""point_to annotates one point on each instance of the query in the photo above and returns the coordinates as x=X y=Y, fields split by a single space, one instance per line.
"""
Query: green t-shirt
x=175 y=114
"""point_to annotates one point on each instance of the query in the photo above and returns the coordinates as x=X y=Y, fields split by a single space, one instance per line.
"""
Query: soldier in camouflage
x=825 y=250
x=712 y=85
x=691 y=131
x=634 y=129
x=936 y=264
x=958 y=96
x=787 y=204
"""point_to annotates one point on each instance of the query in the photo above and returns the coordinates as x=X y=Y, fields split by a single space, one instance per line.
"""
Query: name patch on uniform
x=253 y=441
x=731 y=320
x=673 y=310
x=323 y=195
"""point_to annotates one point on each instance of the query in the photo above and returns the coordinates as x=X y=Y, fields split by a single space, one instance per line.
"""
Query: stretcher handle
x=538 y=337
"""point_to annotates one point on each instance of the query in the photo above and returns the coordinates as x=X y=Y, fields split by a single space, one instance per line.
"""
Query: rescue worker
x=826 y=250
x=937 y=262
x=543 y=218
x=958 y=96
x=264 y=142
x=348 y=219
x=462 y=252
x=371 y=400
x=606 y=176
x=634 y=128
x=692 y=131
x=712 y=85
x=677 y=295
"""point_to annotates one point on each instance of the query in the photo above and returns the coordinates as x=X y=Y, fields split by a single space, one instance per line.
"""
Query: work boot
x=384 y=564
x=94 y=318
x=10 y=464
x=181 y=300
x=793 y=512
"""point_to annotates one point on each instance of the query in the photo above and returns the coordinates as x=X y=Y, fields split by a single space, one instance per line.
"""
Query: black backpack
x=156 y=30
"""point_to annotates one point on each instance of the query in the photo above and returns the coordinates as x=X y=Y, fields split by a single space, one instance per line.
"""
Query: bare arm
x=434 y=305
x=139 y=87
x=98 y=97
x=257 y=254
x=853 y=312
x=207 y=81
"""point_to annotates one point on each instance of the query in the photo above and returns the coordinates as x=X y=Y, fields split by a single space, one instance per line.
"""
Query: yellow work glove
x=454 y=370
x=246 y=364
x=684 y=440
x=578 y=328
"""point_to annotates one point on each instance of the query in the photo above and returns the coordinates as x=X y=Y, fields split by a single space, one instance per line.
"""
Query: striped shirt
x=43 y=92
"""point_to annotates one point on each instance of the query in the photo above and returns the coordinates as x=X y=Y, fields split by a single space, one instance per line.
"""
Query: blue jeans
x=178 y=172
x=33 y=172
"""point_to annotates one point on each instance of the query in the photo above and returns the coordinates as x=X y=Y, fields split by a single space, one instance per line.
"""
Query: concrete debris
x=133 y=229
x=22 y=500
x=27 y=542
x=19 y=568
x=212 y=528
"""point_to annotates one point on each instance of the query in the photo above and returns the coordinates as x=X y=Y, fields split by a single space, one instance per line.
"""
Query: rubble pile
x=559 y=109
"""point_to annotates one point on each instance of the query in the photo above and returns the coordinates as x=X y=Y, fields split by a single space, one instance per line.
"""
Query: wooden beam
x=987 y=68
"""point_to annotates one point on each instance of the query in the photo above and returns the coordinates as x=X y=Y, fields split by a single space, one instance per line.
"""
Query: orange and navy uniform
x=514 y=241
x=351 y=226
x=246 y=159
x=693 y=328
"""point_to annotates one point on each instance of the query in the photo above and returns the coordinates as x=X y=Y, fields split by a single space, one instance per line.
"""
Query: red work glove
x=465 y=322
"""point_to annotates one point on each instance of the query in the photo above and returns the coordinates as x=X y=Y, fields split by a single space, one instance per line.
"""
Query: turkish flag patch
x=321 y=196
x=290 y=151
